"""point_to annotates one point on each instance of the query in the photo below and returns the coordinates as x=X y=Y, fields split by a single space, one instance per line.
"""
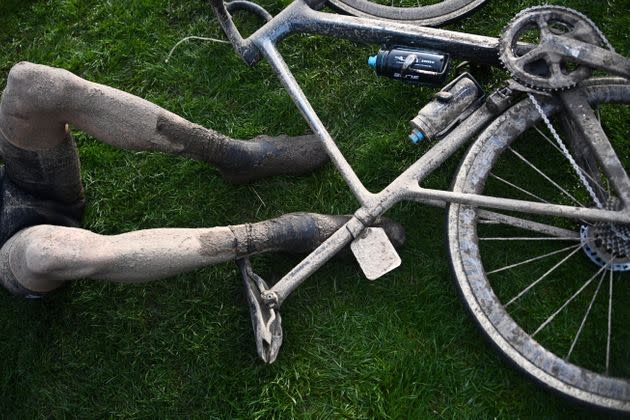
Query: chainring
x=543 y=67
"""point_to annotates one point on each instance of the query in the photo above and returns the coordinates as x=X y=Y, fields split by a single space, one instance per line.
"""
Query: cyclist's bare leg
x=39 y=102
x=41 y=258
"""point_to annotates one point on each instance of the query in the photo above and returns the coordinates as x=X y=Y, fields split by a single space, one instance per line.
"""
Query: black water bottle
x=412 y=65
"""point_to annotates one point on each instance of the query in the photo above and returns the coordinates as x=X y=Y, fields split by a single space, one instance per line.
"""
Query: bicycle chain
x=565 y=152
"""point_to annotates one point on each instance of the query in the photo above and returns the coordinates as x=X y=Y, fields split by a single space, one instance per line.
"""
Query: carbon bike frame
x=301 y=17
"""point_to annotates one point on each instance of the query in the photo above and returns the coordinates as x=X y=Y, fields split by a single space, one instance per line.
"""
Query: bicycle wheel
x=537 y=286
x=421 y=12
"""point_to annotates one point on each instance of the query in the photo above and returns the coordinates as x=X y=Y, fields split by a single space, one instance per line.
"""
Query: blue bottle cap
x=372 y=61
x=416 y=136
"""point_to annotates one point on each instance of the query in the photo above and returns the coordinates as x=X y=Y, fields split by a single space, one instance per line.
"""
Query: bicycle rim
x=541 y=299
x=422 y=12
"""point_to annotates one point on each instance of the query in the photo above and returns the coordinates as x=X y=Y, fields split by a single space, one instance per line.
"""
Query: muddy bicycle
x=538 y=224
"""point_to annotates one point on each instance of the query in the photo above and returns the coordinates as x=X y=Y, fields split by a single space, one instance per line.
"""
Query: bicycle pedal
x=266 y=322
x=375 y=253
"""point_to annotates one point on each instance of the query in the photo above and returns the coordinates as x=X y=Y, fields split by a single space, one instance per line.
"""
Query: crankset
x=565 y=48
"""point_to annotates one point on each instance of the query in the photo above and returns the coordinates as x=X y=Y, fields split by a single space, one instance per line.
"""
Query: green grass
x=400 y=347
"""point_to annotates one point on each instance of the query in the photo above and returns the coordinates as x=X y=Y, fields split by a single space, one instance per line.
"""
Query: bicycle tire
x=576 y=373
x=428 y=15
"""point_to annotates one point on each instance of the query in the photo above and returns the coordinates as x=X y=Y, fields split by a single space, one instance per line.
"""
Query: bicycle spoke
x=588 y=311
x=518 y=188
x=571 y=299
x=525 y=238
x=541 y=278
x=541 y=173
x=610 y=293
x=564 y=149
x=540 y=257
x=585 y=173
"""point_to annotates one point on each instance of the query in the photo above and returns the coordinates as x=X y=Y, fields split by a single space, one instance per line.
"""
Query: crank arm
x=592 y=56
x=266 y=321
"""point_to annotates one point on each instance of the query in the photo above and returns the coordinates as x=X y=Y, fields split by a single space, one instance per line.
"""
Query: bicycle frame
x=300 y=16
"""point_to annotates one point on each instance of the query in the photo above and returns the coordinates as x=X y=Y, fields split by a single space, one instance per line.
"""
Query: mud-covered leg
x=41 y=258
x=39 y=101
